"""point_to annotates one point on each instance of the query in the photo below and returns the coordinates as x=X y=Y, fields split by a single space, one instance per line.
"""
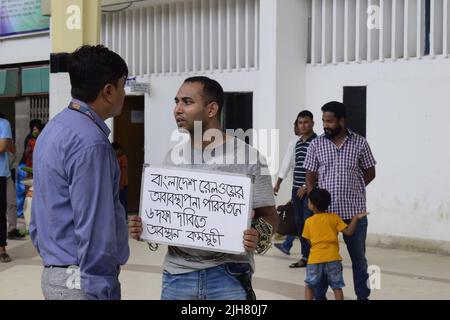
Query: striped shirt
x=301 y=148
x=341 y=171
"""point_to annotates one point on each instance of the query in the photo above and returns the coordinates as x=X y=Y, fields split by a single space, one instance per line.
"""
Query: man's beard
x=331 y=133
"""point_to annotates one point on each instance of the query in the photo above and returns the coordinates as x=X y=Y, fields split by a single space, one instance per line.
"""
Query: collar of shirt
x=349 y=134
x=309 y=139
x=349 y=138
x=91 y=114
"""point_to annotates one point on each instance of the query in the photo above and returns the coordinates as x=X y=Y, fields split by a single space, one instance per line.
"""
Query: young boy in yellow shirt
x=322 y=230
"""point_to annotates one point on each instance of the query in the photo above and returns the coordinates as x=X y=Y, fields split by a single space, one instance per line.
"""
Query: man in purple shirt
x=77 y=224
x=344 y=165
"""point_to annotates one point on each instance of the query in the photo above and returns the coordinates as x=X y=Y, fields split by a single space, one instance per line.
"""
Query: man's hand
x=361 y=215
x=11 y=147
x=276 y=189
x=251 y=237
x=301 y=192
x=135 y=227
x=277 y=186
x=311 y=178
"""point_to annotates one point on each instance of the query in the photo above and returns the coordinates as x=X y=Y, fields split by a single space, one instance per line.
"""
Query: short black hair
x=93 y=67
x=40 y=126
x=212 y=91
x=116 y=146
x=321 y=198
x=304 y=114
x=338 y=108
x=36 y=123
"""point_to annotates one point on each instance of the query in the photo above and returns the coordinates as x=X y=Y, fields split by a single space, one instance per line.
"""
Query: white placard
x=195 y=209
x=140 y=87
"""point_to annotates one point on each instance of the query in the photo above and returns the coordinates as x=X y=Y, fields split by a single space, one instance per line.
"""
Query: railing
x=185 y=37
x=39 y=108
x=344 y=31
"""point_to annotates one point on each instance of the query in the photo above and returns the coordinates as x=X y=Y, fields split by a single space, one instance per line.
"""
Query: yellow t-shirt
x=322 y=231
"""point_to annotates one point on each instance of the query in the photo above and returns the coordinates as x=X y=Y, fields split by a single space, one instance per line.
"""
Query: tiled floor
x=404 y=274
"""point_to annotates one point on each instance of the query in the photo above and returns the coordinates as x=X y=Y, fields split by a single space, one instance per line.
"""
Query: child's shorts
x=325 y=273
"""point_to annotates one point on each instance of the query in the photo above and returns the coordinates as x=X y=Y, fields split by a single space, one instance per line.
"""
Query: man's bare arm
x=369 y=175
x=11 y=147
x=277 y=186
x=4 y=145
x=311 y=178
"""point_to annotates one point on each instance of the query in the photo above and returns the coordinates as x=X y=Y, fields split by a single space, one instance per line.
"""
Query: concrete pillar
x=73 y=23
x=22 y=107
x=283 y=57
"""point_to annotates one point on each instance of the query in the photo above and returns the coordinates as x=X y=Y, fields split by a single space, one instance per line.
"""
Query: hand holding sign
x=196 y=209
x=135 y=227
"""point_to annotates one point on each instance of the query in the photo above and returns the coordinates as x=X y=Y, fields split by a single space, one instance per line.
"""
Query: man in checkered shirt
x=344 y=165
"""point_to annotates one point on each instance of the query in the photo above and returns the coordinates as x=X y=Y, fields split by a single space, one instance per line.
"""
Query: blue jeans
x=356 y=246
x=330 y=271
x=218 y=283
x=301 y=213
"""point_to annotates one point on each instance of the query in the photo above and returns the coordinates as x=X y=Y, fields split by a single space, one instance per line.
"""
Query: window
x=355 y=102
x=237 y=111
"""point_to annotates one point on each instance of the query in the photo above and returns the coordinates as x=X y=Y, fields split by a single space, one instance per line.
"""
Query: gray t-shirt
x=237 y=157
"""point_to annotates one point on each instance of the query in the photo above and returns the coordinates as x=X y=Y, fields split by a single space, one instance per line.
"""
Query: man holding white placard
x=191 y=274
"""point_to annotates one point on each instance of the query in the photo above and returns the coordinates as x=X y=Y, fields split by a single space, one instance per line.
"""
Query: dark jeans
x=301 y=213
x=356 y=247
x=123 y=197
x=3 y=227
x=218 y=283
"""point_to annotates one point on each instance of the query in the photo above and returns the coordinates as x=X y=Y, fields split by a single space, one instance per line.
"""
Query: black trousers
x=3 y=226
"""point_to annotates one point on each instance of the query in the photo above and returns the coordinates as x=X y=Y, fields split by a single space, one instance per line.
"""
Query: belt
x=65 y=267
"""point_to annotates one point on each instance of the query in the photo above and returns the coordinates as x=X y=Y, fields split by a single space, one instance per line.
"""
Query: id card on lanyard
x=86 y=111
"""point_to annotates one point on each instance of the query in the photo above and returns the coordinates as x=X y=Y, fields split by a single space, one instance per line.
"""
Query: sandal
x=5 y=258
x=298 y=264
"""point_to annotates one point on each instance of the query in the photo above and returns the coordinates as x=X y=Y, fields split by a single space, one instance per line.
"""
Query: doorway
x=129 y=133
x=8 y=111
x=355 y=100
x=237 y=111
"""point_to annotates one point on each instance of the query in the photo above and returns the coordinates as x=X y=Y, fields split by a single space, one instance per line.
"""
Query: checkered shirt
x=341 y=171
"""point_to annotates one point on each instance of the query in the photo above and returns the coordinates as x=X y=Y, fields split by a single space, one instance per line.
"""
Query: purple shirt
x=77 y=218
x=341 y=171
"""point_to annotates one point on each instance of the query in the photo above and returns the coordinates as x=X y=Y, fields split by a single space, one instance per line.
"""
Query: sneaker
x=4 y=258
x=15 y=235
x=280 y=247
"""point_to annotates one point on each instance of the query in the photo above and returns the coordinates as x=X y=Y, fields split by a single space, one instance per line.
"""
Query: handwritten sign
x=195 y=209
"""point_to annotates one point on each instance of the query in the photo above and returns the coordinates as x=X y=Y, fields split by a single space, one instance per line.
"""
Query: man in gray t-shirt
x=200 y=274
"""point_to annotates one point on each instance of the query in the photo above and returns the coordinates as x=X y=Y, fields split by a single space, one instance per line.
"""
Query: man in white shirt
x=304 y=125
x=287 y=166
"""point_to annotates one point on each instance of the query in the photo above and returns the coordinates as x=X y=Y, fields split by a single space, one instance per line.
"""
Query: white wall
x=408 y=107
x=159 y=119
x=59 y=93
x=290 y=68
x=25 y=49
